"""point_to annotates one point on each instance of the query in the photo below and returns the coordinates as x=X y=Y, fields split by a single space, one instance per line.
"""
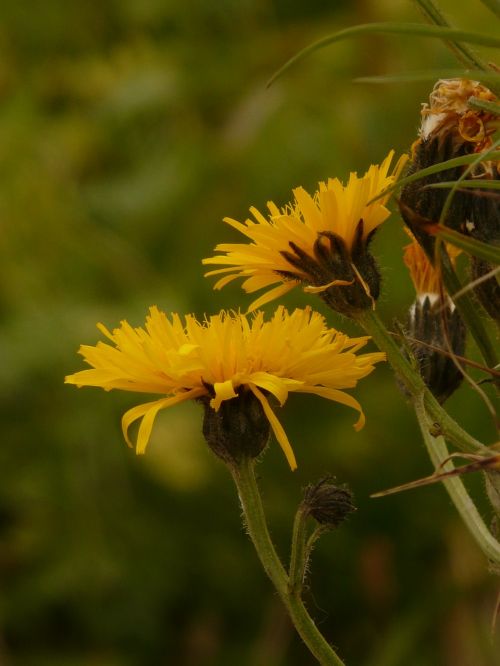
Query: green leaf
x=479 y=184
x=490 y=253
x=411 y=29
x=449 y=198
x=436 y=168
x=484 y=105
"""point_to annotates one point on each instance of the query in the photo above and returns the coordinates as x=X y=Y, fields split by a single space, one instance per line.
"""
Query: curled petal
x=147 y=412
x=324 y=287
x=337 y=396
x=278 y=429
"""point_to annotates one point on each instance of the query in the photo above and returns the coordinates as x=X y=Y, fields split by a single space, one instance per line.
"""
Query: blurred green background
x=128 y=130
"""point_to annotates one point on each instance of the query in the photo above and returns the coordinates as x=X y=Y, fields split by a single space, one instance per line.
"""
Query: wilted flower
x=448 y=111
x=221 y=359
x=451 y=128
x=320 y=241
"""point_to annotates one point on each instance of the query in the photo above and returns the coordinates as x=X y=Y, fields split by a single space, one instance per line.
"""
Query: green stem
x=244 y=477
x=438 y=452
x=414 y=384
x=298 y=560
x=463 y=54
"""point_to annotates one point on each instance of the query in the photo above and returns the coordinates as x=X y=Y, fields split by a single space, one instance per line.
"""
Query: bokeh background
x=128 y=130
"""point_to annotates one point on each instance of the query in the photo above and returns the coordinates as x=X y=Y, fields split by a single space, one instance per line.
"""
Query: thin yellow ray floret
x=221 y=356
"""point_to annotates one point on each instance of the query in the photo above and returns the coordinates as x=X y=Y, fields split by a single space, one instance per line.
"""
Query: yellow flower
x=223 y=356
x=300 y=242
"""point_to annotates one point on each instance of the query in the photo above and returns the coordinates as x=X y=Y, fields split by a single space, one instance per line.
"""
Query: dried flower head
x=222 y=358
x=451 y=128
x=448 y=110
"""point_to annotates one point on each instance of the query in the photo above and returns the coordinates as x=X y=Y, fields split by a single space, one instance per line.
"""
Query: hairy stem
x=255 y=519
x=298 y=559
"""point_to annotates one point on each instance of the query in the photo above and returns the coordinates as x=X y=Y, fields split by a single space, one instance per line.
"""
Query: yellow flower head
x=291 y=245
x=223 y=356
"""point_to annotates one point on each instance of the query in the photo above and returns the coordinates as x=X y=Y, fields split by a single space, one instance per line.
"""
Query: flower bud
x=239 y=429
x=439 y=325
x=328 y=504
x=434 y=321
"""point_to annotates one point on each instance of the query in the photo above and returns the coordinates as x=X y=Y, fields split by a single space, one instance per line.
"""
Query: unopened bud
x=439 y=326
x=327 y=503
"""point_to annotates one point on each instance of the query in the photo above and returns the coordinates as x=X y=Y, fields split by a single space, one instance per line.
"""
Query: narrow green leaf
x=479 y=184
x=490 y=253
x=436 y=168
x=483 y=105
x=411 y=29
x=449 y=198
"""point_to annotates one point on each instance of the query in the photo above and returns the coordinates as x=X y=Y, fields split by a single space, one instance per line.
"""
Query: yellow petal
x=324 y=287
x=148 y=412
x=278 y=430
x=275 y=385
x=337 y=396
x=223 y=391
x=270 y=295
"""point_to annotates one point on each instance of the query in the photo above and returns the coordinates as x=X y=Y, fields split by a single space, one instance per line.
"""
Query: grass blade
x=483 y=105
x=436 y=168
x=479 y=184
x=410 y=29
x=490 y=253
